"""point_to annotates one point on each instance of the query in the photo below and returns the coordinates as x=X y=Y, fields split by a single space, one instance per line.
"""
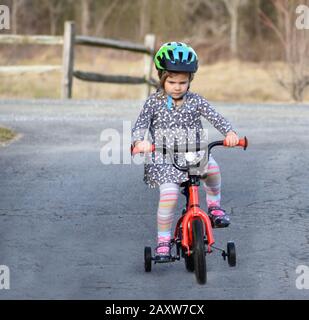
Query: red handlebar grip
x=243 y=142
x=135 y=150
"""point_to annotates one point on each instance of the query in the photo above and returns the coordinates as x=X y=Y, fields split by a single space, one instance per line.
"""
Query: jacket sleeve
x=216 y=119
x=143 y=122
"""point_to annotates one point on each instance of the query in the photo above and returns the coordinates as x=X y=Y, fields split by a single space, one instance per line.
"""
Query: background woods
x=214 y=24
x=250 y=31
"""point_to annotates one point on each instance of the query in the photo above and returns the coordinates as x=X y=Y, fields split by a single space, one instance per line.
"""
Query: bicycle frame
x=193 y=212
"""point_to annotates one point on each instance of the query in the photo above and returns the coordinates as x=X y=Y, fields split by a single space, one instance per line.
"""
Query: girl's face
x=177 y=84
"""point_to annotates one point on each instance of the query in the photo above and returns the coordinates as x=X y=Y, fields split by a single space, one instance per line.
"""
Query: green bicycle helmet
x=176 y=56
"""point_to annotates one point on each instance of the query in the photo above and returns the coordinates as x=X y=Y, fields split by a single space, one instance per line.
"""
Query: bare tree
x=144 y=18
x=105 y=13
x=86 y=18
x=55 y=9
x=16 y=8
x=208 y=24
x=217 y=25
x=295 y=44
x=232 y=7
x=257 y=25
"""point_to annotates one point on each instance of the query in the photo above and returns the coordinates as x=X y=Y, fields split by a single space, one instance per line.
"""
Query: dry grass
x=233 y=81
x=6 y=135
x=241 y=82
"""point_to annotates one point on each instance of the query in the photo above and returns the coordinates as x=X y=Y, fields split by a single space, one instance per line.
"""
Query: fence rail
x=29 y=69
x=110 y=43
x=96 y=77
x=68 y=41
x=33 y=39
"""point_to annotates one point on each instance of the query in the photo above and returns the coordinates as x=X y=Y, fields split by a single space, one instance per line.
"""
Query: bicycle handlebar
x=243 y=142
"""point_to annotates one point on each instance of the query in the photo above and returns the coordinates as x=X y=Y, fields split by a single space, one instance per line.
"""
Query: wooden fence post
x=149 y=42
x=68 y=60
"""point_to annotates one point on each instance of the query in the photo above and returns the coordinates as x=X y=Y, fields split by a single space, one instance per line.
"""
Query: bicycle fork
x=194 y=212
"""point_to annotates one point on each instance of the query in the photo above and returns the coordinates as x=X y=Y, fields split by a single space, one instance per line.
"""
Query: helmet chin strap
x=170 y=100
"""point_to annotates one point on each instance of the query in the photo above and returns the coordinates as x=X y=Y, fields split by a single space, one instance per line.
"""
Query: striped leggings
x=169 y=196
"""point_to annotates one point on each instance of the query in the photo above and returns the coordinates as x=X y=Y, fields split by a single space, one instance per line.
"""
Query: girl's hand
x=231 y=139
x=143 y=146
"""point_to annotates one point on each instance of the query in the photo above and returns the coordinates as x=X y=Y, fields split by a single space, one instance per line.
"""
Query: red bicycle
x=194 y=229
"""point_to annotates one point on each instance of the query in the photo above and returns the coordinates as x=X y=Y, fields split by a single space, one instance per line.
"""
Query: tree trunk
x=55 y=9
x=15 y=9
x=104 y=15
x=257 y=25
x=232 y=7
x=53 y=24
x=144 y=18
x=86 y=17
x=234 y=32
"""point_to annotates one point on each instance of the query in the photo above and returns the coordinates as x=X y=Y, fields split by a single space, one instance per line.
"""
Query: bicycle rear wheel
x=199 y=257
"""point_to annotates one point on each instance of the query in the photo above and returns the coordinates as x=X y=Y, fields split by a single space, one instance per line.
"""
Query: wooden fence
x=68 y=41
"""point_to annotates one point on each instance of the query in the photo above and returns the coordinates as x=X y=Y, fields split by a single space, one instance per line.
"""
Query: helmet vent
x=180 y=56
x=189 y=56
x=171 y=55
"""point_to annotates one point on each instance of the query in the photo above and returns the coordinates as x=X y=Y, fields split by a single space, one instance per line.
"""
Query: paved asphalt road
x=73 y=228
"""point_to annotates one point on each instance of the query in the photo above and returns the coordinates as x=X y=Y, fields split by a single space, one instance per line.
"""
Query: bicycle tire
x=147 y=259
x=231 y=254
x=189 y=262
x=199 y=251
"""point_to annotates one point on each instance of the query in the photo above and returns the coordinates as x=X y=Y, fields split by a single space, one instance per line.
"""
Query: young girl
x=174 y=107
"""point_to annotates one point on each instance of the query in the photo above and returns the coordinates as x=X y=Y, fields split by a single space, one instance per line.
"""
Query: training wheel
x=231 y=254
x=148 y=258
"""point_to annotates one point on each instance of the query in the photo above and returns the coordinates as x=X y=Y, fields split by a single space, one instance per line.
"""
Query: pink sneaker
x=217 y=215
x=163 y=248
x=163 y=251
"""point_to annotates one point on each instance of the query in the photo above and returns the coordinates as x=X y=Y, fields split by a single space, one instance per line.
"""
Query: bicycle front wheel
x=199 y=256
x=189 y=262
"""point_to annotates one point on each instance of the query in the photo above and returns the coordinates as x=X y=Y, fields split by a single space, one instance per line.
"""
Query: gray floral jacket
x=181 y=122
